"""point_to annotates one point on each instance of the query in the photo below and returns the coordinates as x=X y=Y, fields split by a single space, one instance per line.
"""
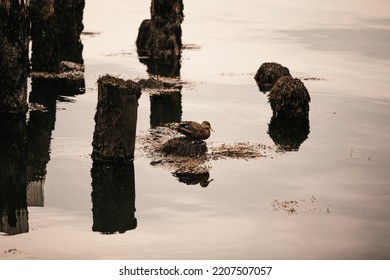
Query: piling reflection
x=45 y=92
x=113 y=197
x=165 y=108
x=288 y=133
x=170 y=68
x=13 y=201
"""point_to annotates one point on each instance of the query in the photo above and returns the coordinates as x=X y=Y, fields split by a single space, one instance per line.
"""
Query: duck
x=194 y=130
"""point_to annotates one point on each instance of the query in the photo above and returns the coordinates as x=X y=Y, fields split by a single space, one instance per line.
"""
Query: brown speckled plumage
x=195 y=130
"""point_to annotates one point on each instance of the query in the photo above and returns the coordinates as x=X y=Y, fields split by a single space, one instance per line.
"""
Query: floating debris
x=241 y=150
x=190 y=47
x=90 y=34
x=301 y=206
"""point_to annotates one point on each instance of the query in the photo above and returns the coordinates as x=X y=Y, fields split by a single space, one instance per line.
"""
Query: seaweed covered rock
x=268 y=74
x=289 y=98
x=183 y=146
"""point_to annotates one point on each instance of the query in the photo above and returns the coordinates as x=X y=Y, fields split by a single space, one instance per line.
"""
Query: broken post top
x=167 y=11
x=133 y=87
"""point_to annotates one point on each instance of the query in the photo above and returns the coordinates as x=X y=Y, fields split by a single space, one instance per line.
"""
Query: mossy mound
x=183 y=146
x=289 y=98
x=268 y=74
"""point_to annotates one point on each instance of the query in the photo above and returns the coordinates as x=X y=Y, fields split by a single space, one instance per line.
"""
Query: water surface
x=338 y=177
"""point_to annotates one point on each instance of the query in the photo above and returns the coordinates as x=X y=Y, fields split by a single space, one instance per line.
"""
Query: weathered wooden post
x=14 y=61
x=13 y=182
x=160 y=38
x=115 y=120
x=69 y=16
x=44 y=36
x=113 y=197
x=40 y=125
x=56 y=26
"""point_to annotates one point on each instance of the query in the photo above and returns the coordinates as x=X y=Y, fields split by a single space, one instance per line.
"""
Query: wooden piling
x=69 y=17
x=44 y=36
x=115 y=120
x=56 y=26
x=160 y=37
x=14 y=61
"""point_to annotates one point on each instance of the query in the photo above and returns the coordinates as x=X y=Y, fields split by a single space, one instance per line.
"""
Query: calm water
x=339 y=177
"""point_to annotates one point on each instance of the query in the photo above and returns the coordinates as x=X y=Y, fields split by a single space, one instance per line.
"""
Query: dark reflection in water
x=13 y=201
x=194 y=178
x=288 y=134
x=169 y=68
x=113 y=197
x=40 y=125
x=165 y=108
x=25 y=148
x=50 y=90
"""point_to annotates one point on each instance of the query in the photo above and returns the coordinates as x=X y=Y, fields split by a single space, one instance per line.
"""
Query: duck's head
x=207 y=125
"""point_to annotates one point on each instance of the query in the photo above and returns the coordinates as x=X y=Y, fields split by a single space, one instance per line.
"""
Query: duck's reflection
x=13 y=182
x=113 y=197
x=194 y=178
x=288 y=134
